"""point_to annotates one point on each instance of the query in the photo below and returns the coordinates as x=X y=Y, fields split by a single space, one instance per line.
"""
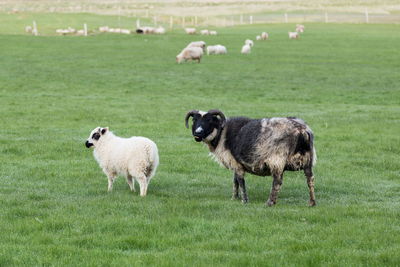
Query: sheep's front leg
x=235 y=193
x=242 y=185
x=111 y=178
x=276 y=187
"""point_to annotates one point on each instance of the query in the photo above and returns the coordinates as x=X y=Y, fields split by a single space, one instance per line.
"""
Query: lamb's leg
x=111 y=178
x=142 y=180
x=235 y=193
x=131 y=183
x=242 y=184
x=276 y=187
x=310 y=182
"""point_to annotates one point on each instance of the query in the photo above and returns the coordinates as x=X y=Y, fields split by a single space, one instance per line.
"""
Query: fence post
x=85 y=29
x=171 y=22
x=251 y=19
x=35 y=31
x=326 y=16
x=138 y=23
x=286 y=18
x=366 y=15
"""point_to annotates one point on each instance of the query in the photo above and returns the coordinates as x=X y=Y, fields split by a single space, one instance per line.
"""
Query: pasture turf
x=54 y=206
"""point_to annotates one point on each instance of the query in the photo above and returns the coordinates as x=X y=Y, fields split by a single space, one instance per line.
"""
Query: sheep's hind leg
x=235 y=193
x=276 y=187
x=142 y=180
x=242 y=185
x=310 y=182
x=131 y=183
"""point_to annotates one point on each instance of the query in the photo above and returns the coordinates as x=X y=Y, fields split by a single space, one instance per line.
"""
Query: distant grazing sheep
x=264 y=36
x=246 y=49
x=136 y=158
x=205 y=32
x=103 y=29
x=190 y=53
x=249 y=42
x=200 y=44
x=258 y=37
x=293 y=35
x=216 y=50
x=264 y=147
x=28 y=29
x=125 y=31
x=159 y=30
x=190 y=30
x=213 y=33
x=300 y=28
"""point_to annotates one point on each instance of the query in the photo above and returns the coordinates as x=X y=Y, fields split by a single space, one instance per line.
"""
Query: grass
x=54 y=206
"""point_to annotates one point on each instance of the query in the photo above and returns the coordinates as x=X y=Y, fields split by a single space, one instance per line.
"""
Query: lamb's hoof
x=270 y=203
x=312 y=203
x=245 y=201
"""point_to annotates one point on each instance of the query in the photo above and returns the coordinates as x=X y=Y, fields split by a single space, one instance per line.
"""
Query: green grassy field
x=54 y=206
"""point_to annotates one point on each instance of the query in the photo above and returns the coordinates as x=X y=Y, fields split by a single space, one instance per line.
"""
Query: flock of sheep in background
x=192 y=52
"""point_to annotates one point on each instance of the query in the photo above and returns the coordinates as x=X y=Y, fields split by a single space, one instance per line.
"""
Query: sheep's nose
x=87 y=144
x=199 y=130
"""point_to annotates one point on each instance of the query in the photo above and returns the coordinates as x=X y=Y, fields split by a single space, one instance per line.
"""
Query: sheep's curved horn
x=217 y=112
x=190 y=114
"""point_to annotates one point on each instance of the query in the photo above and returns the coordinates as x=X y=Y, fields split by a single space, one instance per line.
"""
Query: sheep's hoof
x=235 y=197
x=270 y=203
x=245 y=201
x=312 y=203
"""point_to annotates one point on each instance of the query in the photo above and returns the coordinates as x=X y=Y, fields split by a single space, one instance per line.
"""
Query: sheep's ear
x=104 y=130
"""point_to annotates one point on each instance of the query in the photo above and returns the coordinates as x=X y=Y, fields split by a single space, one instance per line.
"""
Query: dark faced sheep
x=263 y=147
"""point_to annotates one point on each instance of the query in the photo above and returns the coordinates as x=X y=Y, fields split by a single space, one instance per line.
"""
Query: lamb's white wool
x=103 y=29
x=71 y=30
x=293 y=35
x=159 y=30
x=28 y=29
x=249 y=42
x=80 y=32
x=299 y=28
x=205 y=32
x=148 y=30
x=264 y=36
x=213 y=32
x=246 y=49
x=200 y=44
x=136 y=157
x=190 y=53
x=125 y=31
x=190 y=30
x=216 y=50
x=258 y=37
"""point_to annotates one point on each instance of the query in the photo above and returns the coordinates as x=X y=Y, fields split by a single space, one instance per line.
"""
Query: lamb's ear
x=104 y=130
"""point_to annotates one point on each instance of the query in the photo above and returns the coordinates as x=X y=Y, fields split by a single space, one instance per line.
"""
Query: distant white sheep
x=28 y=29
x=190 y=30
x=205 y=32
x=246 y=49
x=213 y=33
x=190 y=53
x=103 y=29
x=258 y=37
x=125 y=31
x=293 y=35
x=249 y=42
x=216 y=50
x=200 y=44
x=300 y=28
x=264 y=36
x=159 y=30
x=136 y=157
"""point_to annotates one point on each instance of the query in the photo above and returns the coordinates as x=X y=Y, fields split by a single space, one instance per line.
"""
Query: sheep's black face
x=205 y=127
x=95 y=136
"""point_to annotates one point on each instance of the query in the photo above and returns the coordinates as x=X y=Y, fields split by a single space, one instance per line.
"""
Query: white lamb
x=293 y=35
x=249 y=42
x=205 y=32
x=28 y=29
x=190 y=53
x=103 y=29
x=264 y=36
x=300 y=28
x=216 y=50
x=213 y=33
x=159 y=30
x=246 y=49
x=258 y=37
x=190 y=30
x=135 y=157
x=125 y=31
x=200 y=44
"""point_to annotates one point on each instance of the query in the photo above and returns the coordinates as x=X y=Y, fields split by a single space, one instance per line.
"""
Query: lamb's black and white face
x=95 y=136
x=205 y=126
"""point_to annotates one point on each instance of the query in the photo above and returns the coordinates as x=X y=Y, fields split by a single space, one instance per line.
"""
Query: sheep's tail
x=305 y=144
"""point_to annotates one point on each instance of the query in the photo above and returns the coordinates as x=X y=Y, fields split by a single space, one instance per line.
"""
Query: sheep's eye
x=96 y=136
